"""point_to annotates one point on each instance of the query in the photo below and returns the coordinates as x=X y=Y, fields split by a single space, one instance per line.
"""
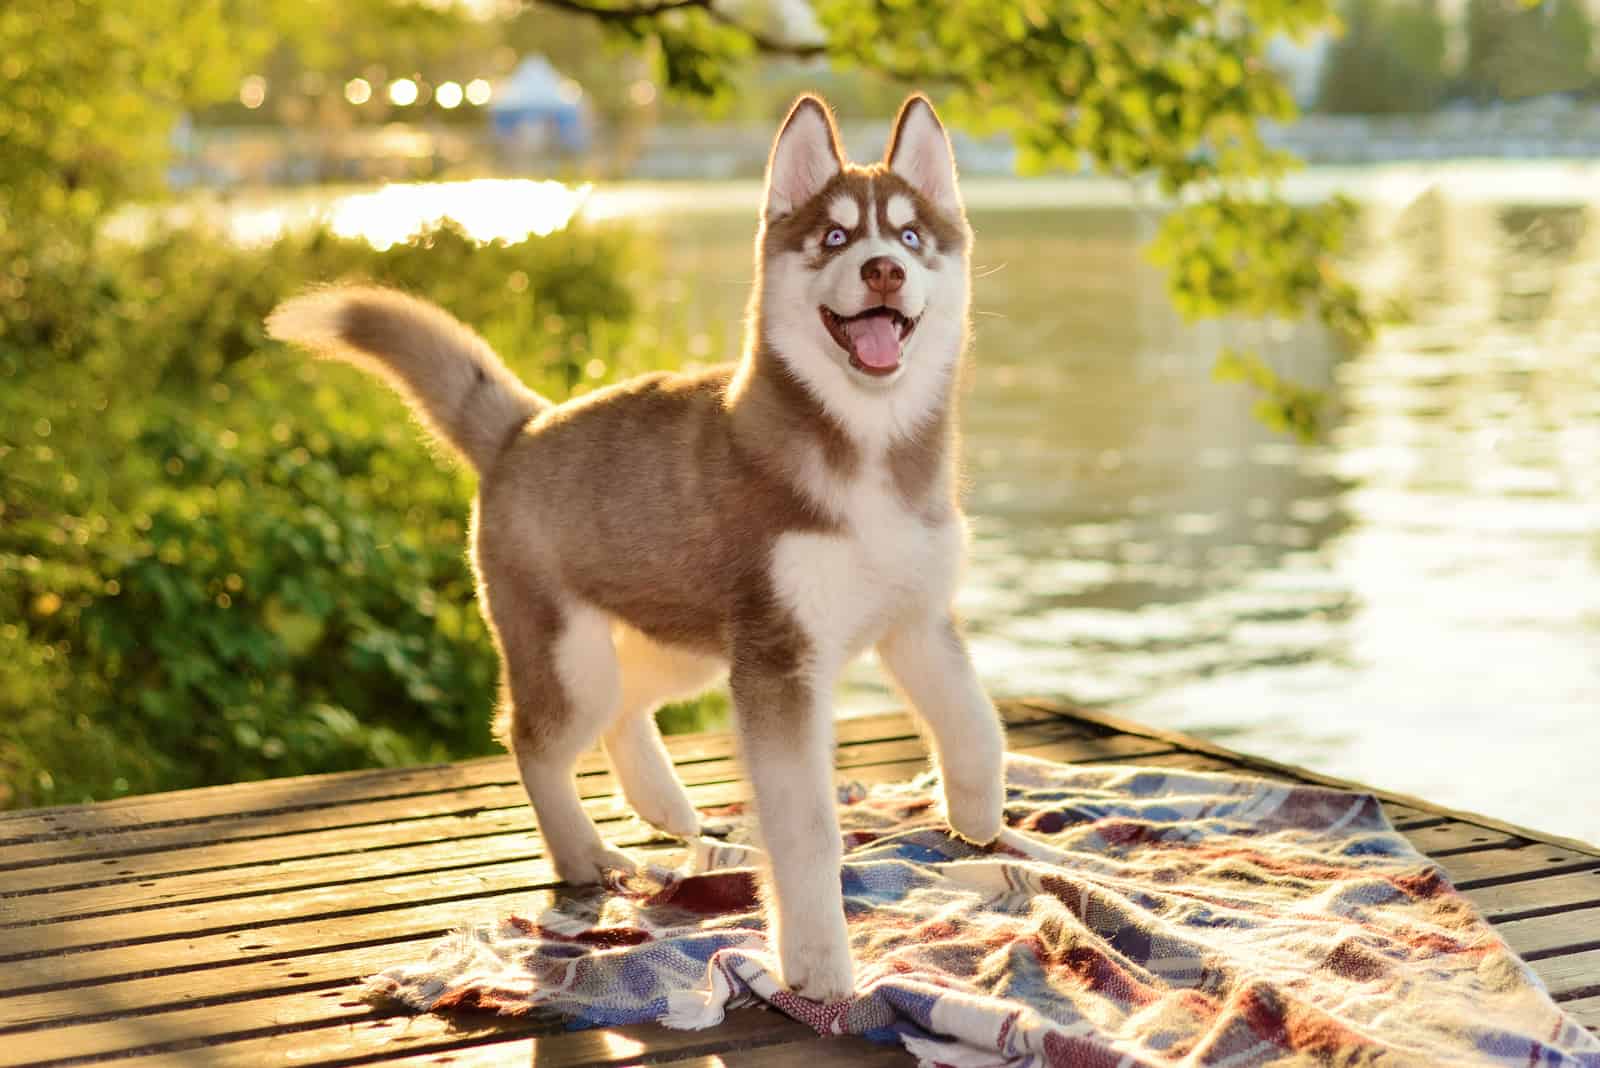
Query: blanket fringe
x=692 y=1010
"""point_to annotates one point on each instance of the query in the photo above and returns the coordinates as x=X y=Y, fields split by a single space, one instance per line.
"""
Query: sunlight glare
x=488 y=209
x=620 y=1047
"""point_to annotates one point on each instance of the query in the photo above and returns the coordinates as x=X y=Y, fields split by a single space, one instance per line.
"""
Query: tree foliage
x=195 y=587
x=1168 y=92
x=208 y=568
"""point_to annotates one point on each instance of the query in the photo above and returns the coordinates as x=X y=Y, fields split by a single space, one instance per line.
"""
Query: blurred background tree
x=1517 y=50
x=1397 y=56
x=195 y=588
x=1391 y=59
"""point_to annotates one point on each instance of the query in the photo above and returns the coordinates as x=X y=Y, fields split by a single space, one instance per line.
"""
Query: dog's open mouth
x=873 y=338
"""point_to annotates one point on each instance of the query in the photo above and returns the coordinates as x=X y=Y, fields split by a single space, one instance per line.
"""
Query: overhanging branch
x=620 y=14
x=764 y=43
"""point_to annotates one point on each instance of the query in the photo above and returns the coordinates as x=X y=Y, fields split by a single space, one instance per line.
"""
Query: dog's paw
x=975 y=814
x=588 y=867
x=672 y=815
x=819 y=969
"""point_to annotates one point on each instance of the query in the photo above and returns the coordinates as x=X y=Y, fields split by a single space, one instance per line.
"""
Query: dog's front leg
x=929 y=661
x=786 y=735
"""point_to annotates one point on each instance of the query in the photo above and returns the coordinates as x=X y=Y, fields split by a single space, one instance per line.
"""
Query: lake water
x=1414 y=602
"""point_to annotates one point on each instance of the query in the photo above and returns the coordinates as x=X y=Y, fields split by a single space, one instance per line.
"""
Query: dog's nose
x=883 y=274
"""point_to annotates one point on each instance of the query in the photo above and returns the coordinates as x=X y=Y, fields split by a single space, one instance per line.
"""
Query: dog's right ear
x=804 y=158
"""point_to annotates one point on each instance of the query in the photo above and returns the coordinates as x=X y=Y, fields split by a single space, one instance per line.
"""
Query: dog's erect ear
x=920 y=153
x=805 y=156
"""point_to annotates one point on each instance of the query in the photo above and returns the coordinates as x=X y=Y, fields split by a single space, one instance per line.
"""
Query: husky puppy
x=770 y=519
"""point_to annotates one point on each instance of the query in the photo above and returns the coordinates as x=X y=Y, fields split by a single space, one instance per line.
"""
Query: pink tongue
x=876 y=340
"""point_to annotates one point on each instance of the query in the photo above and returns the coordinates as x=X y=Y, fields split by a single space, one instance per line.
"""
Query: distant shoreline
x=256 y=214
x=1533 y=182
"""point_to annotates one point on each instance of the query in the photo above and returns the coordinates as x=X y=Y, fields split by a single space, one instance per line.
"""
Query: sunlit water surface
x=1414 y=602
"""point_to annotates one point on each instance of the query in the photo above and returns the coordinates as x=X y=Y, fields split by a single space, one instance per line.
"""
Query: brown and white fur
x=771 y=519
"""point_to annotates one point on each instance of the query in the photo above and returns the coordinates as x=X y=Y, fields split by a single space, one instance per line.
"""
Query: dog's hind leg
x=562 y=690
x=651 y=675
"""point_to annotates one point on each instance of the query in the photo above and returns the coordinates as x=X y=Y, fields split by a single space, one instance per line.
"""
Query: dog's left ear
x=920 y=153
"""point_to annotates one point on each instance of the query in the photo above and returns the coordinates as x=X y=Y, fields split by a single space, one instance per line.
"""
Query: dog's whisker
x=985 y=272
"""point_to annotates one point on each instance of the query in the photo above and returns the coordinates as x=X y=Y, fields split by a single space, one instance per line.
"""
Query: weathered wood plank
x=381 y=907
x=272 y=795
x=209 y=1027
x=244 y=828
x=1570 y=975
x=205 y=1024
x=348 y=786
x=1585 y=1010
x=317 y=1010
x=1546 y=935
x=263 y=911
x=1453 y=836
x=1534 y=897
x=198 y=857
x=618 y=1046
x=833 y=1052
x=1533 y=860
x=312 y=792
x=307 y=978
x=405 y=1037
x=120 y=896
x=256 y=827
x=249 y=911
x=331 y=949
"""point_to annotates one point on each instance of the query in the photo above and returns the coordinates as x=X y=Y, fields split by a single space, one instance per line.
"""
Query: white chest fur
x=887 y=564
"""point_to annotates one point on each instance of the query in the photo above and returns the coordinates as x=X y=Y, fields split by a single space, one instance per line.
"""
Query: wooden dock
x=232 y=925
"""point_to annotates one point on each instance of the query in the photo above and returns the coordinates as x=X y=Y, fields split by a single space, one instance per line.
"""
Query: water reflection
x=1415 y=602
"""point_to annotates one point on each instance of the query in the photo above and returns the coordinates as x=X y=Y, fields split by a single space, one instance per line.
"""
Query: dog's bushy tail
x=450 y=375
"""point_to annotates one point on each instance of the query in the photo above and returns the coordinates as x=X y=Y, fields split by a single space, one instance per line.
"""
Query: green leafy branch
x=1163 y=91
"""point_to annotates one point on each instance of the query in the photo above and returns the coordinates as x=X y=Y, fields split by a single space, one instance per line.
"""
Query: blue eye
x=909 y=236
x=836 y=237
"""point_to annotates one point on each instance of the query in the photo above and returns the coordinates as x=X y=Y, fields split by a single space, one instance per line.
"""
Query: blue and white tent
x=536 y=104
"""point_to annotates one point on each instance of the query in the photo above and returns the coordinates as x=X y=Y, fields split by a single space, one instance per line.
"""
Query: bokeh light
x=402 y=92
x=642 y=92
x=358 y=90
x=449 y=95
x=478 y=92
x=253 y=91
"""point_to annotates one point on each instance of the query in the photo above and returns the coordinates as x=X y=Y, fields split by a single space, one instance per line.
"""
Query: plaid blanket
x=1128 y=916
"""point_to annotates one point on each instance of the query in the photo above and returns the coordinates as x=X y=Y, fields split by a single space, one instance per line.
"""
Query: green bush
x=220 y=560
